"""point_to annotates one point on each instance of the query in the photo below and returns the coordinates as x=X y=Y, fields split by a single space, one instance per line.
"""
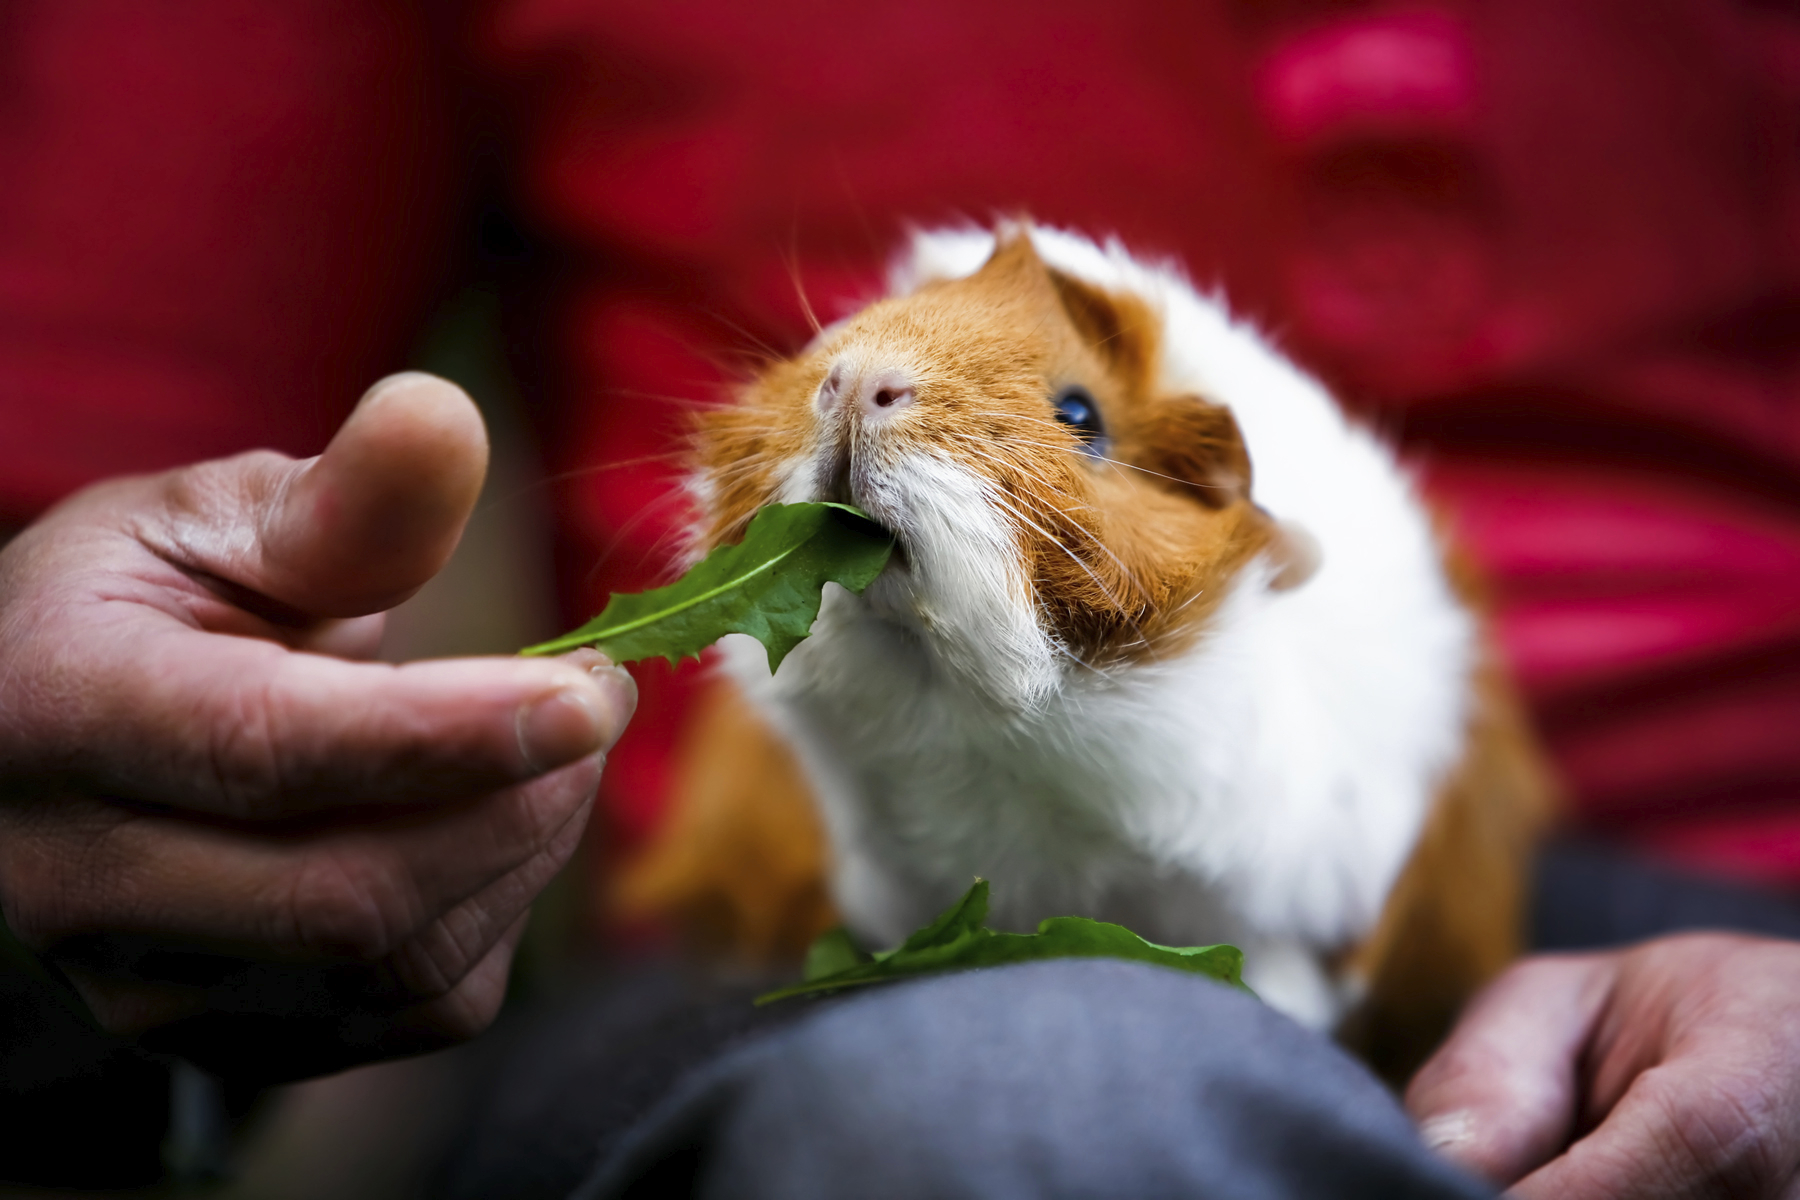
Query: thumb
x=357 y=529
x=1499 y=1097
x=365 y=524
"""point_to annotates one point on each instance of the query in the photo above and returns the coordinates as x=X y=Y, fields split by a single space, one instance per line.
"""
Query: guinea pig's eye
x=1075 y=407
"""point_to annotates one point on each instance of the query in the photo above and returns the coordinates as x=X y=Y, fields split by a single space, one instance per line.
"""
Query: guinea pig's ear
x=1188 y=440
x=1121 y=329
x=1295 y=554
x=1014 y=263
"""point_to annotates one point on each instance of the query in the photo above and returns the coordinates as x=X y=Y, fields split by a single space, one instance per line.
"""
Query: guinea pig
x=1166 y=640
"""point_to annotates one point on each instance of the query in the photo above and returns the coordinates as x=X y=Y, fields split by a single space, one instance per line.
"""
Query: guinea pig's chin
x=892 y=595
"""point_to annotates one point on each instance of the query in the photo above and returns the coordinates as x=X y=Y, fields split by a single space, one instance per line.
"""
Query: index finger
x=246 y=728
x=1499 y=1097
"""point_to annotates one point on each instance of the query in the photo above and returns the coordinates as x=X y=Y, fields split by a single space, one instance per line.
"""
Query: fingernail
x=622 y=689
x=559 y=728
x=1447 y=1131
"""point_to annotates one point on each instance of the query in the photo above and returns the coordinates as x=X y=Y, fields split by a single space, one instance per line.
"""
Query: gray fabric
x=1058 y=1079
x=559 y=1085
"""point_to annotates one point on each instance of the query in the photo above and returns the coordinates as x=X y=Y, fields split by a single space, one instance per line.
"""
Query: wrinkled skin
x=233 y=835
x=1670 y=1069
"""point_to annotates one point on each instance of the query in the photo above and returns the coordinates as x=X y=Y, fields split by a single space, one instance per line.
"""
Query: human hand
x=233 y=841
x=1668 y=1069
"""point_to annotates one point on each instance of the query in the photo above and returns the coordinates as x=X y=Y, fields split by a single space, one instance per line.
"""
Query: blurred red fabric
x=214 y=228
x=1551 y=247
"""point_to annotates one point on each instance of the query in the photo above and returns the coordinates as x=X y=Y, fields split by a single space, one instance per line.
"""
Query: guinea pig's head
x=1055 y=511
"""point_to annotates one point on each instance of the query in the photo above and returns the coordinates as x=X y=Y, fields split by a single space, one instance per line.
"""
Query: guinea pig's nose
x=882 y=392
x=874 y=392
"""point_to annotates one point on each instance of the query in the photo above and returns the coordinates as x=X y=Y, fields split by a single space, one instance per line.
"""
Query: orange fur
x=1455 y=917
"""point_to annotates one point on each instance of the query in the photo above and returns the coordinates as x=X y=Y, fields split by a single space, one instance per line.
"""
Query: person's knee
x=1075 y=1077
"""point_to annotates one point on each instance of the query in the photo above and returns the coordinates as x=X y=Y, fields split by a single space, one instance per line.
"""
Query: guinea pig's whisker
x=1129 y=576
x=673 y=458
x=791 y=260
x=741 y=469
x=1111 y=462
x=673 y=495
x=770 y=353
x=1038 y=445
x=754 y=455
x=1125 y=572
x=664 y=550
x=975 y=448
x=1183 y=606
x=685 y=402
x=1126 y=466
x=1038 y=510
x=744 y=468
x=1063 y=649
x=1186 y=483
x=1076 y=559
x=1010 y=417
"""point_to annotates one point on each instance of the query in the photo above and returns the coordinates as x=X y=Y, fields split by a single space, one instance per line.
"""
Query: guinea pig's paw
x=1296 y=555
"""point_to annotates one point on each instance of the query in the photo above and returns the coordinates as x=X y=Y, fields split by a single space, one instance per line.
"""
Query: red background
x=1551 y=247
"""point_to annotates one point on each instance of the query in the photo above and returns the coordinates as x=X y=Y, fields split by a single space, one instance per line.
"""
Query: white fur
x=1264 y=787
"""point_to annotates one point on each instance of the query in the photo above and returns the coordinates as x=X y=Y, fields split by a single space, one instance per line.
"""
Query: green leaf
x=768 y=586
x=957 y=941
x=961 y=920
x=831 y=952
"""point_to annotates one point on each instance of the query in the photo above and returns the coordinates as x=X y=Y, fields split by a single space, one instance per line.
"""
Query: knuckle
x=243 y=755
x=219 y=488
x=341 y=908
x=531 y=816
x=541 y=811
x=436 y=961
x=1721 y=1131
x=473 y=1004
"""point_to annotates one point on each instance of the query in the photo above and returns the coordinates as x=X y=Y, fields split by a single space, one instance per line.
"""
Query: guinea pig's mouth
x=837 y=486
x=865 y=524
